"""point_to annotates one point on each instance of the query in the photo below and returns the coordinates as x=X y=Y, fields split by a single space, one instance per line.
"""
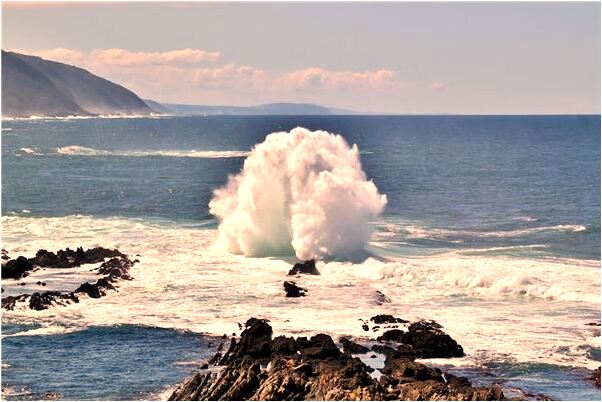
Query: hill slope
x=34 y=86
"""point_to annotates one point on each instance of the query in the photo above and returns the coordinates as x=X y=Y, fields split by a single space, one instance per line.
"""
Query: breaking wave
x=85 y=151
x=303 y=191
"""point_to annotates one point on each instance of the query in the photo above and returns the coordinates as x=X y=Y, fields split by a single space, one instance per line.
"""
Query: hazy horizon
x=393 y=58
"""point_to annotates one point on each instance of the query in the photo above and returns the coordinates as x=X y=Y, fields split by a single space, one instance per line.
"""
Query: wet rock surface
x=258 y=367
x=292 y=290
x=307 y=267
x=352 y=347
x=17 y=268
x=114 y=269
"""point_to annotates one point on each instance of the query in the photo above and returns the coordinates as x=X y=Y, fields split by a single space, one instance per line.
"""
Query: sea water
x=491 y=228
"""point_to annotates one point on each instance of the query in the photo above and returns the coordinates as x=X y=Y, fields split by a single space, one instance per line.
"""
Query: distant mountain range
x=267 y=109
x=32 y=86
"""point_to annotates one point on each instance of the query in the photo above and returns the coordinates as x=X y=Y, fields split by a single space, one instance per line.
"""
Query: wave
x=303 y=192
x=85 y=151
x=441 y=233
x=185 y=281
x=29 y=151
x=77 y=117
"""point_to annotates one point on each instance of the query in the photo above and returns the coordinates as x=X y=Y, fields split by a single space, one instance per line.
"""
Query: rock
x=429 y=341
x=16 y=269
x=9 y=302
x=393 y=335
x=308 y=267
x=380 y=298
x=41 y=301
x=68 y=258
x=260 y=368
x=116 y=268
x=352 y=347
x=387 y=319
x=292 y=290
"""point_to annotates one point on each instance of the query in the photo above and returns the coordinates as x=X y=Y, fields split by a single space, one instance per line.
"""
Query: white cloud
x=319 y=77
x=200 y=76
x=121 y=57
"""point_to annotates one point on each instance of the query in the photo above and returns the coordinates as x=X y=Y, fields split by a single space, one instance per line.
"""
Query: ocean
x=491 y=228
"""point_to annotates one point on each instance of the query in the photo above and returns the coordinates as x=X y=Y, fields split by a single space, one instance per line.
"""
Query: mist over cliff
x=32 y=86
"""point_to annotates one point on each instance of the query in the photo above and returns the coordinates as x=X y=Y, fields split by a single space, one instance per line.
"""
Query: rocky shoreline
x=115 y=267
x=260 y=367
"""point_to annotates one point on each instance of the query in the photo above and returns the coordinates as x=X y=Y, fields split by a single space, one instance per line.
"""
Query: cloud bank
x=204 y=77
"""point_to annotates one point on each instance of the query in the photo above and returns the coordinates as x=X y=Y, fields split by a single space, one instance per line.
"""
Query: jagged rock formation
x=112 y=270
x=258 y=367
x=308 y=267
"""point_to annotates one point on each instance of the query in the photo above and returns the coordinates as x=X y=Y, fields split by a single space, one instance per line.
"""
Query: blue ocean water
x=111 y=363
x=490 y=186
x=468 y=174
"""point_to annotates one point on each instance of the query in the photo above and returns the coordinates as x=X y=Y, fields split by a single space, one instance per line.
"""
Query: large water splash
x=303 y=192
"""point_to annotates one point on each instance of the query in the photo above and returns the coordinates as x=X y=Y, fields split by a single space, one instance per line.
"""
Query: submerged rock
x=380 y=298
x=308 y=267
x=292 y=290
x=259 y=368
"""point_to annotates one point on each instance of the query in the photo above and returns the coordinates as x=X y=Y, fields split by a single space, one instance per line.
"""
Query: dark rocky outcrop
x=259 y=368
x=393 y=335
x=17 y=268
x=387 y=319
x=20 y=267
x=44 y=300
x=308 y=267
x=352 y=347
x=69 y=258
x=292 y=290
x=112 y=270
x=423 y=339
x=429 y=341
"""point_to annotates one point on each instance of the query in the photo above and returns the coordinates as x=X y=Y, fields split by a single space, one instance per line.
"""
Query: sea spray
x=303 y=192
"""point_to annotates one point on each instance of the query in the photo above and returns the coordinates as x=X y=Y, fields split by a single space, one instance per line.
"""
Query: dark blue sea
x=491 y=227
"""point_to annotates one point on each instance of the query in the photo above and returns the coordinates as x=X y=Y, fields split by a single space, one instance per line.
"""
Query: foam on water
x=498 y=308
x=85 y=151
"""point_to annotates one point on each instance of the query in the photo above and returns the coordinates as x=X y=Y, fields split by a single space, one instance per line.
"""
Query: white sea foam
x=29 y=151
x=85 y=151
x=303 y=191
x=76 y=117
x=441 y=233
x=498 y=308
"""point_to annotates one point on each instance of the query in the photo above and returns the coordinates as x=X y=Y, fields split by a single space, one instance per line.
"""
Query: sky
x=407 y=58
